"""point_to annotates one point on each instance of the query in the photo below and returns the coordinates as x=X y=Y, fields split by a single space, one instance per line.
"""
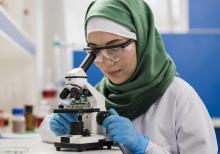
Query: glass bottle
x=18 y=120
x=29 y=118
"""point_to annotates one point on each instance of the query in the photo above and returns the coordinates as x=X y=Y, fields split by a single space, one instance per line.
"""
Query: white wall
x=17 y=66
x=171 y=16
x=51 y=24
x=74 y=21
x=18 y=85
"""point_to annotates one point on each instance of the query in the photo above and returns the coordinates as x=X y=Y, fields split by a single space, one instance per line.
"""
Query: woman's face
x=120 y=71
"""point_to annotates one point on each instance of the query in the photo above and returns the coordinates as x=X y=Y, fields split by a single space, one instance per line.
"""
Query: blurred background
x=40 y=40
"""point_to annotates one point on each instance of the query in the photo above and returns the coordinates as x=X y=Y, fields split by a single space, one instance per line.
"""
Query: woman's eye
x=95 y=50
x=113 y=50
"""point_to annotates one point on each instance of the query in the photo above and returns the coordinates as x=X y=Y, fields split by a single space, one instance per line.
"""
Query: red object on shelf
x=38 y=121
x=1 y=122
x=49 y=93
x=1 y=119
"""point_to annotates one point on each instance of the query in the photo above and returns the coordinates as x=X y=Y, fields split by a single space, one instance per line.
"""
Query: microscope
x=87 y=133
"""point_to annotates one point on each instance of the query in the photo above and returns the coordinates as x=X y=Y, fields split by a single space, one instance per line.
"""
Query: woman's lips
x=111 y=73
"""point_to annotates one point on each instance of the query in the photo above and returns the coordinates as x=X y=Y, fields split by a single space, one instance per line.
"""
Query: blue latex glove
x=59 y=122
x=122 y=131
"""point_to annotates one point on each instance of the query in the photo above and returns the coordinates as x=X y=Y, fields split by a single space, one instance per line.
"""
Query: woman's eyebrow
x=113 y=41
x=108 y=43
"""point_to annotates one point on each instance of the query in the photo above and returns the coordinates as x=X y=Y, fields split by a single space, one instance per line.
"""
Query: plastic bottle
x=18 y=120
x=29 y=118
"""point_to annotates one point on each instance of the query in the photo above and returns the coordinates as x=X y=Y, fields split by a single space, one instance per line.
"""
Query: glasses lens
x=113 y=53
x=98 y=55
x=99 y=58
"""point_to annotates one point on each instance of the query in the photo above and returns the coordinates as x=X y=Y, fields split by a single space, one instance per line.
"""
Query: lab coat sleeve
x=45 y=132
x=194 y=128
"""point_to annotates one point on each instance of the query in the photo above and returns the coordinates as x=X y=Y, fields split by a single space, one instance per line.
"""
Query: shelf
x=12 y=51
x=15 y=45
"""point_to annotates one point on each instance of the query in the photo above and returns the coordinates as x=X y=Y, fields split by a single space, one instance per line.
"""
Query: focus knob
x=101 y=117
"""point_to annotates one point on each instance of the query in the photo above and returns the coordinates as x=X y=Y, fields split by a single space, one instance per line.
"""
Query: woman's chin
x=116 y=80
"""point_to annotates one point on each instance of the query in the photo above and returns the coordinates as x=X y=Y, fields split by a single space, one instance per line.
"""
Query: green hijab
x=155 y=70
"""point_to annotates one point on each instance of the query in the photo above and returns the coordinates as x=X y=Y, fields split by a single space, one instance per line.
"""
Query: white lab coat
x=177 y=123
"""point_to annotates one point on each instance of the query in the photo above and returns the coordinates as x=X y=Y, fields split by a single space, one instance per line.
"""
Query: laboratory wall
x=51 y=30
x=171 y=16
x=32 y=61
x=17 y=54
x=18 y=85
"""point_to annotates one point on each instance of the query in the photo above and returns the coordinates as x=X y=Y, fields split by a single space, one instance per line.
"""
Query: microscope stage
x=66 y=110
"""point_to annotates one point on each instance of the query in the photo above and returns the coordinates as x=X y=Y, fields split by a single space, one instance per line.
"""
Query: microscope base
x=83 y=147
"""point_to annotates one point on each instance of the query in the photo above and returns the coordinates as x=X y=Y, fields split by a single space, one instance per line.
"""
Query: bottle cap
x=18 y=111
x=28 y=108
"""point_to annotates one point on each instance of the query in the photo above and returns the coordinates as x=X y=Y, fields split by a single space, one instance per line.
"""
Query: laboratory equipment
x=87 y=133
x=18 y=120
x=29 y=118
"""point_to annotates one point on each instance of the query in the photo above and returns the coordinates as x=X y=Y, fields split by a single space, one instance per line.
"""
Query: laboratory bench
x=32 y=144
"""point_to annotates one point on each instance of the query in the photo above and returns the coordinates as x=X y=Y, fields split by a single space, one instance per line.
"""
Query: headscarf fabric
x=97 y=24
x=155 y=69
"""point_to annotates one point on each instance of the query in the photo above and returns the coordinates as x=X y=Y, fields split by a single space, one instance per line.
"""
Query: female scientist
x=153 y=111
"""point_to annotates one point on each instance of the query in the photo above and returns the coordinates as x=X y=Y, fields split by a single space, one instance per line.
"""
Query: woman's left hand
x=122 y=131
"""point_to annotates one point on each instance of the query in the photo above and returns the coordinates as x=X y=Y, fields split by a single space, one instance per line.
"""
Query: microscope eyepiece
x=75 y=93
x=65 y=92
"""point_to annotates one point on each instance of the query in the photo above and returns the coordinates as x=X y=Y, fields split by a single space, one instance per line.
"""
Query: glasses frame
x=122 y=45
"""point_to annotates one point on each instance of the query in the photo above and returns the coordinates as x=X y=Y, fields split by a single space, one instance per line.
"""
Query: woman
x=152 y=109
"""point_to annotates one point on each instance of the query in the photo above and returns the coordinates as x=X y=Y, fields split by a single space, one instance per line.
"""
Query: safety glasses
x=112 y=53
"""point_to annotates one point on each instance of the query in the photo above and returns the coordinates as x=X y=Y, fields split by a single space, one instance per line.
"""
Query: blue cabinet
x=197 y=60
x=204 y=13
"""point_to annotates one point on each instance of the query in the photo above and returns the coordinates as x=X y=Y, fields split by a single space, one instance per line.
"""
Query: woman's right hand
x=60 y=122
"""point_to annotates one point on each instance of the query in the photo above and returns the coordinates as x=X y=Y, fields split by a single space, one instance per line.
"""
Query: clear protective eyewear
x=112 y=53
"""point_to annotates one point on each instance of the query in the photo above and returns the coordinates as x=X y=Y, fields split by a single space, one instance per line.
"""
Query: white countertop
x=32 y=144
